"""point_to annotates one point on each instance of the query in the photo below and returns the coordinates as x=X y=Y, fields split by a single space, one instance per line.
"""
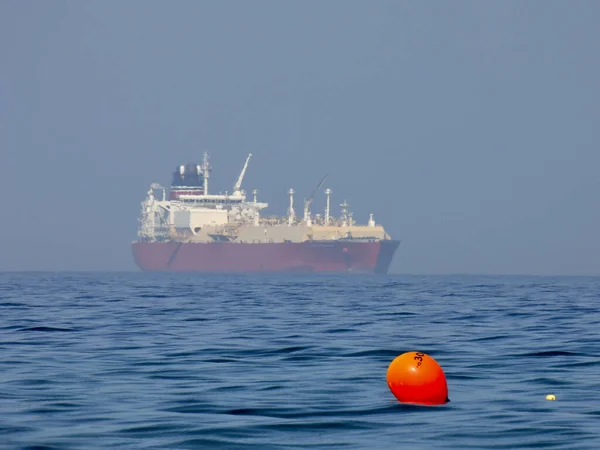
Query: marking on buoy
x=419 y=357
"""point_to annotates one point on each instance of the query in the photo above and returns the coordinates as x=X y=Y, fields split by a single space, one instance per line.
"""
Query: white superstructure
x=195 y=215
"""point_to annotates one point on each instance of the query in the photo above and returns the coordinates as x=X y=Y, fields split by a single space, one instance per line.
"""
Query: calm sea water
x=181 y=361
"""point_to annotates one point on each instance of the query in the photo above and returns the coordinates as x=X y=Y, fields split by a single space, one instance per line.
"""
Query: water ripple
x=133 y=360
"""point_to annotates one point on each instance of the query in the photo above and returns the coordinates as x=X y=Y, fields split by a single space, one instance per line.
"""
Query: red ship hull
x=326 y=256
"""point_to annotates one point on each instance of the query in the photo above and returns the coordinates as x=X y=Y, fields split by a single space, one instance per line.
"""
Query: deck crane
x=237 y=192
x=308 y=201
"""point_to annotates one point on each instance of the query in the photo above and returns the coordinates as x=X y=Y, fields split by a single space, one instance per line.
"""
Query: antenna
x=236 y=188
x=309 y=200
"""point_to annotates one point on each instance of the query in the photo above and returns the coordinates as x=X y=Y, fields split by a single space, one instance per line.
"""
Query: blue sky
x=469 y=128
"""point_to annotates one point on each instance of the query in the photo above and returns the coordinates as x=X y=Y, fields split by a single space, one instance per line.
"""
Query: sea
x=194 y=361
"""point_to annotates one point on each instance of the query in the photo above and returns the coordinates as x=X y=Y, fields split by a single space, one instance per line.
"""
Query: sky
x=470 y=129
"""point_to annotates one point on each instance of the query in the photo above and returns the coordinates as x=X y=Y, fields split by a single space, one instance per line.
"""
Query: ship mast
x=256 y=214
x=345 y=213
x=291 y=212
x=327 y=206
x=206 y=169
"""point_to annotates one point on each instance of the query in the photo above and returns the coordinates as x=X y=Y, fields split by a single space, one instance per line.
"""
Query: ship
x=185 y=228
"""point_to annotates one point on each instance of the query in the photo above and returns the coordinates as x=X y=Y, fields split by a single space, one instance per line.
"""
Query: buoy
x=415 y=377
x=550 y=397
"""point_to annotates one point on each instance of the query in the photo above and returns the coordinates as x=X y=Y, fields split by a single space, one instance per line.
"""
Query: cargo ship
x=186 y=228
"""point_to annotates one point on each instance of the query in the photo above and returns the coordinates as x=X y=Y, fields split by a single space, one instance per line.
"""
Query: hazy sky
x=470 y=128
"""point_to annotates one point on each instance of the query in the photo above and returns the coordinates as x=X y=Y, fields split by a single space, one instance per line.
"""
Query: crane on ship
x=237 y=188
x=308 y=201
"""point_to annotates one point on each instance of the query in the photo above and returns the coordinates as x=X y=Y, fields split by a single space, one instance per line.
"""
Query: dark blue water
x=184 y=361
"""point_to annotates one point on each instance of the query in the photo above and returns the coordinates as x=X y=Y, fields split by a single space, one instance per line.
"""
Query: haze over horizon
x=470 y=129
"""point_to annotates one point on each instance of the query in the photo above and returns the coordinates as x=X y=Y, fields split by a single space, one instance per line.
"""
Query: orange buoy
x=415 y=377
